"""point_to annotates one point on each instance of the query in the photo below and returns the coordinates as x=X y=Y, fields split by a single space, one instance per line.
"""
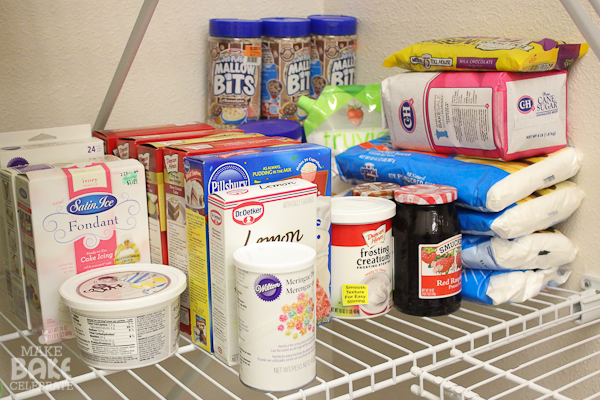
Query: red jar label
x=441 y=268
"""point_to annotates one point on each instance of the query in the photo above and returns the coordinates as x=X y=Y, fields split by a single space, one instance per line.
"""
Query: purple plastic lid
x=286 y=27
x=274 y=127
x=335 y=25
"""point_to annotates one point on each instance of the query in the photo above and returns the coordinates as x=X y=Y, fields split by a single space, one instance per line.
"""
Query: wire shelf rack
x=467 y=355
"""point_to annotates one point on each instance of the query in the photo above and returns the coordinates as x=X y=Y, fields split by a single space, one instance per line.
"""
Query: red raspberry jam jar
x=427 y=247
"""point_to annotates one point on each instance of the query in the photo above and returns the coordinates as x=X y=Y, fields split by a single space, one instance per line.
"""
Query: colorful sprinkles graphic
x=297 y=318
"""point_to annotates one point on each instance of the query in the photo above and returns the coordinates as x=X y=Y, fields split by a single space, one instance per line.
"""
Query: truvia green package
x=343 y=116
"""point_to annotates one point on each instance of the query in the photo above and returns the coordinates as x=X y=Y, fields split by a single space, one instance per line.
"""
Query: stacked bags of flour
x=440 y=121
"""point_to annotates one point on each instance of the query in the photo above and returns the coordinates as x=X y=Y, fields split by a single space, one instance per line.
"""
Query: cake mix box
x=211 y=173
x=151 y=157
x=110 y=136
x=49 y=151
x=128 y=147
x=46 y=135
x=73 y=219
x=177 y=196
x=283 y=211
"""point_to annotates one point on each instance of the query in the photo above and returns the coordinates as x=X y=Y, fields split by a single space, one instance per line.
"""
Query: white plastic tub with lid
x=276 y=291
x=361 y=256
x=125 y=316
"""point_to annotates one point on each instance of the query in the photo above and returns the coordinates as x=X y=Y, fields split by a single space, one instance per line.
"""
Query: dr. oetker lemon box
x=74 y=219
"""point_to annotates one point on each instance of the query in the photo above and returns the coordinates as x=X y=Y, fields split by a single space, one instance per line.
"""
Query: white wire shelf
x=468 y=355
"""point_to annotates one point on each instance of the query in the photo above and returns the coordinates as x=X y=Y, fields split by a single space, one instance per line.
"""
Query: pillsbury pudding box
x=212 y=173
x=176 y=198
x=74 y=219
x=149 y=153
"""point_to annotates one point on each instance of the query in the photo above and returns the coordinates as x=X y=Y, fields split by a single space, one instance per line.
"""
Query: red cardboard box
x=177 y=199
x=128 y=147
x=110 y=136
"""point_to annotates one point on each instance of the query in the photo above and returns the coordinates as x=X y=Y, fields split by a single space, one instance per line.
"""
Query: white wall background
x=57 y=59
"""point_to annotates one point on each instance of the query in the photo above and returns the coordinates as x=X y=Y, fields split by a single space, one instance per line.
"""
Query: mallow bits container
x=362 y=254
x=286 y=67
x=333 y=51
x=276 y=294
x=125 y=316
x=234 y=72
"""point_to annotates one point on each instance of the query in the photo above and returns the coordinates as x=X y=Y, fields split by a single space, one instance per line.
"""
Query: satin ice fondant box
x=74 y=219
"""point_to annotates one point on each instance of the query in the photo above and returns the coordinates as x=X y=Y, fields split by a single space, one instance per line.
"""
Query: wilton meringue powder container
x=276 y=296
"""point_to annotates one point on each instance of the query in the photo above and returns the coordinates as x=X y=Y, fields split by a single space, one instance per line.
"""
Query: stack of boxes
x=178 y=168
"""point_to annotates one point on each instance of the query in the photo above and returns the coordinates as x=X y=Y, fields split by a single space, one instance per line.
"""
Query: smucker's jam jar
x=427 y=247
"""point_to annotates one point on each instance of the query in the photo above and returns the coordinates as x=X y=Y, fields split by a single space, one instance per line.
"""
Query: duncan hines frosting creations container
x=282 y=211
x=125 y=316
x=481 y=114
x=75 y=219
x=276 y=313
x=234 y=71
x=286 y=67
x=361 y=256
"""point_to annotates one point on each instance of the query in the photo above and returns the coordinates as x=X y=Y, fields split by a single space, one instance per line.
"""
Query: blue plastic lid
x=274 y=127
x=235 y=28
x=335 y=25
x=286 y=27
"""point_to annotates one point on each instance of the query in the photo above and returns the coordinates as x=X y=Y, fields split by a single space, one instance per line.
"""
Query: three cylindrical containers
x=259 y=69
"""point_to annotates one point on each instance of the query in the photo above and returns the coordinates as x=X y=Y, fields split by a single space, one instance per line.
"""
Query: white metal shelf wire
x=467 y=355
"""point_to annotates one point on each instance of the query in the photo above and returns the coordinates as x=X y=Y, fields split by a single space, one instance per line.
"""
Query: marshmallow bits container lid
x=335 y=25
x=357 y=210
x=274 y=257
x=286 y=27
x=123 y=288
x=235 y=28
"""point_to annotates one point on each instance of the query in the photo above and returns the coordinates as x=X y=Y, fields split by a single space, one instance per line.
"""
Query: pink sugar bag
x=502 y=115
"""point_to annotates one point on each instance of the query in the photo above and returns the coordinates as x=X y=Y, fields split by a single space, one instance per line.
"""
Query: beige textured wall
x=58 y=57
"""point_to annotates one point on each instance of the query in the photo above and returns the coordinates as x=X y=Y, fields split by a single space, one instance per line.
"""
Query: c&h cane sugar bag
x=499 y=115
